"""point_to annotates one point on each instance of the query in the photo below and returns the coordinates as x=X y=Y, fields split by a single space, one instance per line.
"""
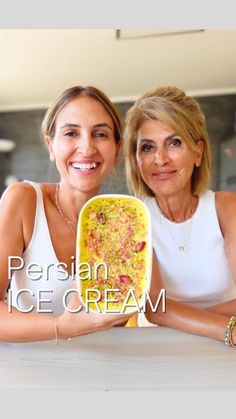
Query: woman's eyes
x=70 y=133
x=101 y=134
x=98 y=134
x=147 y=147
x=175 y=142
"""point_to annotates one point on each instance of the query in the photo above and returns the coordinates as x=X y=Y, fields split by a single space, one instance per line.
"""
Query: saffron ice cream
x=114 y=248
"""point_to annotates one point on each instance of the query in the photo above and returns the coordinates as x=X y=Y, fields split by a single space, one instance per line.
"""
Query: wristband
x=228 y=331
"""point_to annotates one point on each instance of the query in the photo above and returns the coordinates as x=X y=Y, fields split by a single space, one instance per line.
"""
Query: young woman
x=194 y=229
x=82 y=132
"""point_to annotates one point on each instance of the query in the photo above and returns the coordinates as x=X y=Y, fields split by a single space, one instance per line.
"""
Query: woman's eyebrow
x=146 y=140
x=68 y=124
x=172 y=135
x=169 y=137
x=100 y=125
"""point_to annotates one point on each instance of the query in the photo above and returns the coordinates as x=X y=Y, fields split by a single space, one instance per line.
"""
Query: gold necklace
x=62 y=212
x=183 y=247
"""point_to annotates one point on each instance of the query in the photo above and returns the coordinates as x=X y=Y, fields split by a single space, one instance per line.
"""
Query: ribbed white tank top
x=41 y=252
x=200 y=276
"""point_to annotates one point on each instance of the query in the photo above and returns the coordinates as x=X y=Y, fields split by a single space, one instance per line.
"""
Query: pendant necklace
x=62 y=212
x=182 y=247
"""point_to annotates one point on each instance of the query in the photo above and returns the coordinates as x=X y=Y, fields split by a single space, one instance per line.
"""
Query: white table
x=120 y=359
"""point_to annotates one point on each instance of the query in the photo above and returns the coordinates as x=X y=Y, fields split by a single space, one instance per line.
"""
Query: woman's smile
x=85 y=167
x=164 y=175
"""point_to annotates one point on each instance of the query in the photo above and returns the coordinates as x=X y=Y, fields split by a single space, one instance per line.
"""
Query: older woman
x=82 y=132
x=194 y=229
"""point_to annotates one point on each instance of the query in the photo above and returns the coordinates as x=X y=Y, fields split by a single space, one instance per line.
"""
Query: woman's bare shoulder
x=20 y=193
x=226 y=207
x=23 y=195
x=225 y=200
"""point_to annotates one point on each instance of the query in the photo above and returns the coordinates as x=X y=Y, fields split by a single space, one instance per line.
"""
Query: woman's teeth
x=84 y=166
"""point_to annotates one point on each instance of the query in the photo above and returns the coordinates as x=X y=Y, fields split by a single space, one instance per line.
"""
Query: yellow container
x=114 y=254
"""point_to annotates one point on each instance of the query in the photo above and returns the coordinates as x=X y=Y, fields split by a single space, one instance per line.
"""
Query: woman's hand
x=80 y=323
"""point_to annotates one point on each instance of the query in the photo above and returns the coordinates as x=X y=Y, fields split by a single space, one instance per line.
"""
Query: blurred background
x=37 y=65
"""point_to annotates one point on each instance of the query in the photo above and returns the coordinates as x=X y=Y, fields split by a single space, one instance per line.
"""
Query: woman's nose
x=161 y=157
x=86 y=146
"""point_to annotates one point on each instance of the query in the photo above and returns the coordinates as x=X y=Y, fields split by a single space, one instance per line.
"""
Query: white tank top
x=201 y=275
x=41 y=252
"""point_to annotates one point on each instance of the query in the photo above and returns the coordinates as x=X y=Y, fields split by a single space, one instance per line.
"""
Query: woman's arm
x=183 y=317
x=226 y=212
x=227 y=309
x=16 y=204
x=213 y=320
x=17 y=208
x=29 y=327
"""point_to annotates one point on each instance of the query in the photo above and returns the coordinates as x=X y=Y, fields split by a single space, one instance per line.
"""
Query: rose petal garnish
x=101 y=217
x=140 y=246
x=124 y=278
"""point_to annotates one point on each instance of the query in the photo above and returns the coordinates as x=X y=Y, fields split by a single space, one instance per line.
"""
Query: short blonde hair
x=173 y=107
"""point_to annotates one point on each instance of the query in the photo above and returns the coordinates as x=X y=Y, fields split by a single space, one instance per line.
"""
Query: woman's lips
x=85 y=168
x=164 y=175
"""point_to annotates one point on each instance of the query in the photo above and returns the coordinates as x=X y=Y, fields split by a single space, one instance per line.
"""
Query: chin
x=164 y=190
x=84 y=186
x=88 y=188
